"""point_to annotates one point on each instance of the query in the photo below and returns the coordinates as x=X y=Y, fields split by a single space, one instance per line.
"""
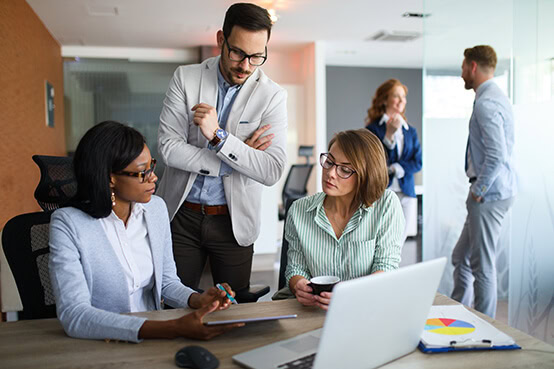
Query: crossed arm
x=261 y=157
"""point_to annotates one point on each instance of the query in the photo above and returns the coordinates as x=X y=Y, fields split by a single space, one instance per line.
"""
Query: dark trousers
x=195 y=236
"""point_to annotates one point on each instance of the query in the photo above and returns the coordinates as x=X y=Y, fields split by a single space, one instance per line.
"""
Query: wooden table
x=43 y=343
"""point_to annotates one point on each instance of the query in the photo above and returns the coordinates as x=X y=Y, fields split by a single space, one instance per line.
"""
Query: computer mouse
x=195 y=357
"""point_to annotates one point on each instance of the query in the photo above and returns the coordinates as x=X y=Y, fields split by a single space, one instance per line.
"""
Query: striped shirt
x=370 y=241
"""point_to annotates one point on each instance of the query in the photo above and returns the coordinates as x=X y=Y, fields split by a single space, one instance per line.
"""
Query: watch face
x=221 y=133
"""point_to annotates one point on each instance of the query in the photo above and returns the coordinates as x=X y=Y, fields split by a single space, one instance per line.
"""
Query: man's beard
x=468 y=84
x=239 y=70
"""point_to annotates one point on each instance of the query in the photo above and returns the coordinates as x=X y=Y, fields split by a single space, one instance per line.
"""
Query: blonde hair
x=378 y=107
x=365 y=153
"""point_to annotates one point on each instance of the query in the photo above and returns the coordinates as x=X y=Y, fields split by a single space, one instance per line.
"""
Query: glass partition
x=531 y=303
x=520 y=32
x=129 y=92
x=452 y=27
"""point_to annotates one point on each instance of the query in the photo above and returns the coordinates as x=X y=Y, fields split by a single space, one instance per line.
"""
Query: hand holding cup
x=323 y=284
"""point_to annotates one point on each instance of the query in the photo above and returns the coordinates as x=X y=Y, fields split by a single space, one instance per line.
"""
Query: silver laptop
x=371 y=321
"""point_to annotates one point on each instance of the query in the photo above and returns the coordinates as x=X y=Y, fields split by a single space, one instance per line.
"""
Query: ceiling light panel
x=102 y=10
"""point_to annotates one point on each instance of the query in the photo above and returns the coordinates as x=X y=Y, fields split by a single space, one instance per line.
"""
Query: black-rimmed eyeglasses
x=343 y=171
x=238 y=55
x=142 y=176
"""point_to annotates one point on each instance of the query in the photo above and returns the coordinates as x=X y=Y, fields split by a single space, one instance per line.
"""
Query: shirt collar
x=136 y=211
x=385 y=118
x=318 y=203
x=482 y=87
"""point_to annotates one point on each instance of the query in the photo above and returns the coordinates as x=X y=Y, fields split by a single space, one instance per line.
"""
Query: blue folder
x=428 y=350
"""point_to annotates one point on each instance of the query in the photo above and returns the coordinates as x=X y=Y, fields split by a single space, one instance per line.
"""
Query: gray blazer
x=88 y=280
x=184 y=150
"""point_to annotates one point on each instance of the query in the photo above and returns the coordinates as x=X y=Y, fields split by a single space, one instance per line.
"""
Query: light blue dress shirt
x=491 y=144
x=209 y=190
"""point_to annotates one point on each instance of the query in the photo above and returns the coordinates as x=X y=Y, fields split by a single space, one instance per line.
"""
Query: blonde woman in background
x=387 y=121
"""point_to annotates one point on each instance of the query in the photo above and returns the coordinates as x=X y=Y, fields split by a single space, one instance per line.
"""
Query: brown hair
x=483 y=55
x=378 y=108
x=365 y=152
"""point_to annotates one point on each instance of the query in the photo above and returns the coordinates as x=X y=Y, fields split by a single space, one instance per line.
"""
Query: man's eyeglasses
x=237 y=55
x=142 y=176
x=343 y=171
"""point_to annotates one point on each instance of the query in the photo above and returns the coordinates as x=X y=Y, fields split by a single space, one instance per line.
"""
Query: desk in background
x=43 y=343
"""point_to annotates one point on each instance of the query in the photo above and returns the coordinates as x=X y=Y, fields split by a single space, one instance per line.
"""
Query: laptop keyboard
x=306 y=362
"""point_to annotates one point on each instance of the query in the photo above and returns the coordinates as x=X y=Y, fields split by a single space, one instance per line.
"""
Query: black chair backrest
x=296 y=182
x=284 y=249
x=57 y=181
x=25 y=244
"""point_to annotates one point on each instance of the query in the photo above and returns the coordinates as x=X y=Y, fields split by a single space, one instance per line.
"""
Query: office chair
x=57 y=181
x=25 y=237
x=297 y=180
x=25 y=244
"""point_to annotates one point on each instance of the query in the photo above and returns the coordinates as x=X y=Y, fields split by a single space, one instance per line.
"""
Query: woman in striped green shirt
x=351 y=229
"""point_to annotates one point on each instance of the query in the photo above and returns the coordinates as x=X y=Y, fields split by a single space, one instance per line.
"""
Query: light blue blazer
x=491 y=144
x=88 y=280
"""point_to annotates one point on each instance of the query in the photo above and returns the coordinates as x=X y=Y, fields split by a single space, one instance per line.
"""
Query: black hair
x=106 y=148
x=248 y=16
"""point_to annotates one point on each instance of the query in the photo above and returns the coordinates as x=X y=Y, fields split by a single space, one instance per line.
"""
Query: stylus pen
x=228 y=296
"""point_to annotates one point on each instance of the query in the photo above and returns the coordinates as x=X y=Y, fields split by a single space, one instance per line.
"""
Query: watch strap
x=216 y=140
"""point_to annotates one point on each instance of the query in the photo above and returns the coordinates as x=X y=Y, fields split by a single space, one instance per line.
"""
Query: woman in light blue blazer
x=110 y=250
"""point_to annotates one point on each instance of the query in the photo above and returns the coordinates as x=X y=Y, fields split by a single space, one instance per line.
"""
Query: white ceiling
x=344 y=25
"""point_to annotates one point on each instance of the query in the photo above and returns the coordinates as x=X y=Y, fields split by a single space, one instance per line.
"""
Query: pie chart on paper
x=448 y=326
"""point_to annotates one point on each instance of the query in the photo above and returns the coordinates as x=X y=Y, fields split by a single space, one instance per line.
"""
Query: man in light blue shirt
x=209 y=190
x=490 y=168
x=222 y=136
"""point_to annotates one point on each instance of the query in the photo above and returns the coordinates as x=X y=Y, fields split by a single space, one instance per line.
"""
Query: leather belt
x=207 y=209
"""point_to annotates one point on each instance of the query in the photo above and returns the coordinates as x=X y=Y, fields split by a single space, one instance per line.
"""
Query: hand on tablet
x=191 y=325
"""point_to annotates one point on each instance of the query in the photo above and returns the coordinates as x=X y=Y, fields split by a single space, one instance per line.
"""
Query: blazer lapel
x=407 y=142
x=155 y=237
x=208 y=88
x=241 y=101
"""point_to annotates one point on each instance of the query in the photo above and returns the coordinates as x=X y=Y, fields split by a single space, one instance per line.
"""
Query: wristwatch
x=219 y=135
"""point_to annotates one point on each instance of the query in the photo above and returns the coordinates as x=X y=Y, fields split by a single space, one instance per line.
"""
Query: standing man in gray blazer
x=222 y=136
x=490 y=168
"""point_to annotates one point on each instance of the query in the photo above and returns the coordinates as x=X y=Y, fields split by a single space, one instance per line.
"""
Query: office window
x=446 y=97
x=129 y=92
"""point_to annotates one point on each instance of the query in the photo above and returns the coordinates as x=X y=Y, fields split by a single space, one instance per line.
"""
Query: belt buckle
x=202 y=210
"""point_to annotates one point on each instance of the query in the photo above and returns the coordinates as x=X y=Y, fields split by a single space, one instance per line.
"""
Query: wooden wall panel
x=29 y=56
